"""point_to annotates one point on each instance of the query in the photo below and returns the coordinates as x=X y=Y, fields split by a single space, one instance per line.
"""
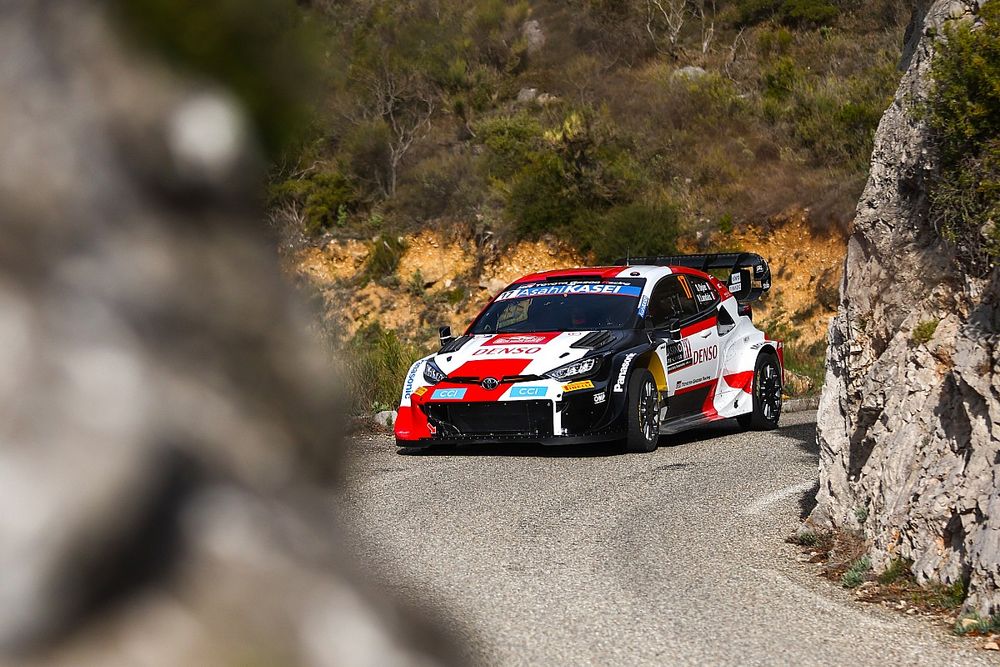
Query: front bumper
x=572 y=415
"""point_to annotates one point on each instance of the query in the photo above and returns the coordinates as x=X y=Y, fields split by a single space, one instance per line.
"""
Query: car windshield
x=569 y=306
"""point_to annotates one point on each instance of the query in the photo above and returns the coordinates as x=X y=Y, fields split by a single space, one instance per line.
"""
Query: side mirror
x=674 y=329
x=444 y=334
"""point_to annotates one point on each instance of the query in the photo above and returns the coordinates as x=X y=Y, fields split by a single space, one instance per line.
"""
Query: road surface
x=540 y=556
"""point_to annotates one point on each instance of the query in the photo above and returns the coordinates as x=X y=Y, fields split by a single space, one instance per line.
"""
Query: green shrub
x=377 y=363
x=975 y=624
x=364 y=152
x=635 y=229
x=440 y=185
x=541 y=199
x=924 y=331
x=579 y=170
x=808 y=12
x=750 y=12
x=804 y=13
x=325 y=197
x=512 y=141
x=857 y=574
x=898 y=569
x=384 y=257
x=964 y=114
x=781 y=78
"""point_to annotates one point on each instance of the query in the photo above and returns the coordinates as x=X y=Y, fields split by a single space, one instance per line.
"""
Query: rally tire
x=643 y=412
x=767 y=388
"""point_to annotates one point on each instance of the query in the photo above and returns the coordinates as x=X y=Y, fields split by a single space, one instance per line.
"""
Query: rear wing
x=749 y=275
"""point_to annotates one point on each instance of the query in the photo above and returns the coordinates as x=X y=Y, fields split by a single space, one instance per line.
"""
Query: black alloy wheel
x=643 y=412
x=767 y=389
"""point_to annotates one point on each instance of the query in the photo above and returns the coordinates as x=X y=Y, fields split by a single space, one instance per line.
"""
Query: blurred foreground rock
x=909 y=427
x=168 y=431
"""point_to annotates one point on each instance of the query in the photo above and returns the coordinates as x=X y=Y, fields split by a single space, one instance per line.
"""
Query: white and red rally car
x=631 y=352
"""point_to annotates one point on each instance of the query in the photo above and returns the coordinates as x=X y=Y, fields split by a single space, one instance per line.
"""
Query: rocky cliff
x=909 y=421
x=168 y=432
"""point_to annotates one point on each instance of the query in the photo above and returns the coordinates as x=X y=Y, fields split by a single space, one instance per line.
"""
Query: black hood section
x=595 y=340
x=455 y=345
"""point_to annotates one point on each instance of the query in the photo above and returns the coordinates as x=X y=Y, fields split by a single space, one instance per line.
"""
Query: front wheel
x=766 y=395
x=643 y=404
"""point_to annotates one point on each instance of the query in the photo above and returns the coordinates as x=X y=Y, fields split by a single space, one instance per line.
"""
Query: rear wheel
x=766 y=395
x=643 y=406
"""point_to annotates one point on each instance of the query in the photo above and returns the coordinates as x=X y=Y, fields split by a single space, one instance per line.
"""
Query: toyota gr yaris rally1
x=628 y=353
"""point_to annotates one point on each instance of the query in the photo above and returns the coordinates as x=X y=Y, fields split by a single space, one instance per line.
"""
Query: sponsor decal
x=736 y=282
x=556 y=289
x=528 y=392
x=643 y=305
x=678 y=354
x=690 y=383
x=702 y=292
x=623 y=374
x=600 y=398
x=410 y=379
x=448 y=394
x=501 y=351
x=706 y=354
x=578 y=386
x=420 y=391
x=521 y=339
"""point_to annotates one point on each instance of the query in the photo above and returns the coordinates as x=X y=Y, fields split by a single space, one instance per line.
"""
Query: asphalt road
x=536 y=556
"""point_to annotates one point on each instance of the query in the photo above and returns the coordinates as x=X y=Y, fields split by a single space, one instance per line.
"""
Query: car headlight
x=575 y=369
x=432 y=373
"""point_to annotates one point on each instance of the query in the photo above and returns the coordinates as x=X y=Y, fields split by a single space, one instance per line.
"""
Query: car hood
x=528 y=354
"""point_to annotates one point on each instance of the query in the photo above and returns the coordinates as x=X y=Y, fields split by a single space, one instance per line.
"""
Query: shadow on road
x=804 y=436
x=807 y=501
x=604 y=449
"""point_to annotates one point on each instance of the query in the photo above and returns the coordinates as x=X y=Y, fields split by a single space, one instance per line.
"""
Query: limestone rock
x=527 y=96
x=386 y=418
x=534 y=36
x=909 y=433
x=169 y=430
x=690 y=73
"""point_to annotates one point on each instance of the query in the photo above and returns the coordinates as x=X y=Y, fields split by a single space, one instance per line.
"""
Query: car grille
x=531 y=418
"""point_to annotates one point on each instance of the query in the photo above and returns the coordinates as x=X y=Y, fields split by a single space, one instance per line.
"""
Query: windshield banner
x=555 y=289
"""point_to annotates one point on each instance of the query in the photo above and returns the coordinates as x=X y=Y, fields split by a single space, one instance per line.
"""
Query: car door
x=688 y=303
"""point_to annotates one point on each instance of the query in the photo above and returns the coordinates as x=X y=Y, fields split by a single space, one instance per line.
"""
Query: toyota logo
x=489 y=384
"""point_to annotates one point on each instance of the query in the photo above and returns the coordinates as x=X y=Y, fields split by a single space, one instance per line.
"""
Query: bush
x=781 y=78
x=447 y=184
x=579 y=169
x=540 y=199
x=898 y=569
x=808 y=12
x=325 y=197
x=377 y=363
x=364 y=153
x=512 y=141
x=384 y=257
x=800 y=13
x=924 y=332
x=964 y=114
x=635 y=230
x=857 y=574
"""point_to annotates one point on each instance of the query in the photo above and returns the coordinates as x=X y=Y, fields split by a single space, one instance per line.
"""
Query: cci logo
x=528 y=392
x=448 y=394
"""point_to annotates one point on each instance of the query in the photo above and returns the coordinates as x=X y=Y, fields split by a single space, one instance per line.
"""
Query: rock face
x=909 y=420
x=168 y=431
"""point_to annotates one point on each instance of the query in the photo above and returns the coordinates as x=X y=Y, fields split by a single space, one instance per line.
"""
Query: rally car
x=629 y=353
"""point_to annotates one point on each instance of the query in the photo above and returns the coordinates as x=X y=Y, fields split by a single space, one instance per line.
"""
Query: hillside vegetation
x=619 y=127
x=620 y=124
